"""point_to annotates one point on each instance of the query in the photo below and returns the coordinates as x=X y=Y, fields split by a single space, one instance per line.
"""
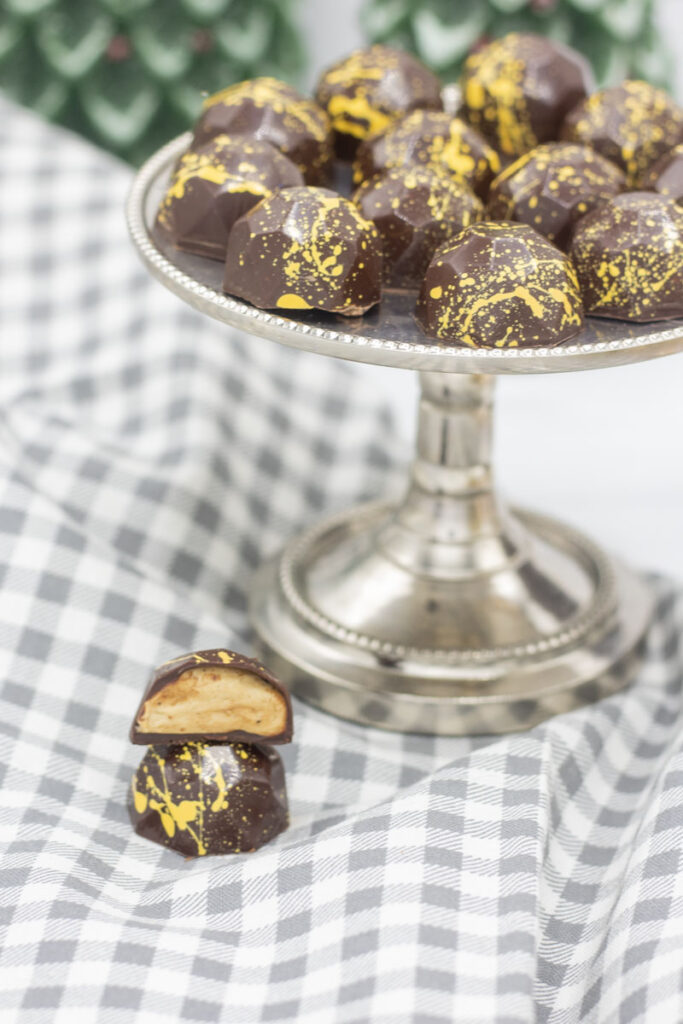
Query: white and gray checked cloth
x=149 y=459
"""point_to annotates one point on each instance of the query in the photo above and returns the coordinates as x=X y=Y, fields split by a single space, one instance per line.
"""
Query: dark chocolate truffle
x=305 y=248
x=632 y=124
x=629 y=258
x=199 y=799
x=518 y=89
x=430 y=137
x=500 y=285
x=215 y=695
x=666 y=175
x=214 y=185
x=552 y=187
x=266 y=109
x=369 y=89
x=415 y=209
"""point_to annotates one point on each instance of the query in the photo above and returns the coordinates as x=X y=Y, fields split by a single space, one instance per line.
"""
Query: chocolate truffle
x=666 y=175
x=199 y=799
x=214 y=185
x=552 y=187
x=629 y=258
x=430 y=137
x=500 y=285
x=369 y=89
x=518 y=89
x=415 y=209
x=305 y=248
x=631 y=124
x=266 y=109
x=215 y=695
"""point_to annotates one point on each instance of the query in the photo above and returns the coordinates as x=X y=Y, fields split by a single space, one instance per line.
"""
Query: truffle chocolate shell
x=369 y=89
x=552 y=187
x=305 y=248
x=500 y=285
x=430 y=137
x=518 y=89
x=266 y=109
x=632 y=124
x=212 y=187
x=629 y=258
x=415 y=209
x=666 y=175
x=199 y=799
x=215 y=695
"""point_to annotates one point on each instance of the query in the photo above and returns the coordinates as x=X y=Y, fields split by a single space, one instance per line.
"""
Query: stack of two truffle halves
x=536 y=202
x=210 y=782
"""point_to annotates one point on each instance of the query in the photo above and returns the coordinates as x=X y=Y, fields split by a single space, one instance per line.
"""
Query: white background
x=600 y=449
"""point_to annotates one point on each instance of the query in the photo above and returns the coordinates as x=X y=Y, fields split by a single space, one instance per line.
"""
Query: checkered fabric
x=149 y=459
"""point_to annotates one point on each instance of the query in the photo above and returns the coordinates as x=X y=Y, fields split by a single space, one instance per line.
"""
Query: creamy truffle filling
x=215 y=699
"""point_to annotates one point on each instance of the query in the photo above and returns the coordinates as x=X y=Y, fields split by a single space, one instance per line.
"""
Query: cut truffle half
x=216 y=696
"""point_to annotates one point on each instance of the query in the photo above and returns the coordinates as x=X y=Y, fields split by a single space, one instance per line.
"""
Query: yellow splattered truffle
x=632 y=124
x=430 y=137
x=666 y=175
x=269 y=110
x=415 y=209
x=369 y=89
x=305 y=248
x=518 y=89
x=213 y=185
x=552 y=187
x=200 y=799
x=629 y=258
x=500 y=285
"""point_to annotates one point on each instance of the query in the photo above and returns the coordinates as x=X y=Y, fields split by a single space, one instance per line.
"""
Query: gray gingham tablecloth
x=148 y=460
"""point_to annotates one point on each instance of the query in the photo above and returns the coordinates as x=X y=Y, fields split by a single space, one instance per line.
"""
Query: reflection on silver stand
x=449 y=613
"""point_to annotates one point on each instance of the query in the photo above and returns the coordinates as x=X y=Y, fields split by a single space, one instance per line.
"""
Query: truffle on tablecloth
x=200 y=799
x=213 y=185
x=266 y=109
x=500 y=285
x=305 y=248
x=552 y=187
x=366 y=91
x=430 y=137
x=632 y=124
x=629 y=258
x=518 y=89
x=415 y=209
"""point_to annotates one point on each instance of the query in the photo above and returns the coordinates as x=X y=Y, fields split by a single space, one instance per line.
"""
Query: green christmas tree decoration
x=619 y=37
x=131 y=74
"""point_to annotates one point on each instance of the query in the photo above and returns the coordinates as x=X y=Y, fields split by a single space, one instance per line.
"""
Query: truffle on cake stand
x=448 y=612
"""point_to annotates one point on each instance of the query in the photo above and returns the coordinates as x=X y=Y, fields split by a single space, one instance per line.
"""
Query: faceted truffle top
x=364 y=92
x=517 y=90
x=500 y=285
x=305 y=248
x=632 y=124
x=629 y=257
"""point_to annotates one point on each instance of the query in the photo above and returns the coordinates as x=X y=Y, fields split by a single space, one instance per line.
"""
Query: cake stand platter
x=448 y=612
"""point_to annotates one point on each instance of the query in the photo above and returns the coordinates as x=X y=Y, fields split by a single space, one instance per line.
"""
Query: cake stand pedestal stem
x=448 y=613
x=451 y=524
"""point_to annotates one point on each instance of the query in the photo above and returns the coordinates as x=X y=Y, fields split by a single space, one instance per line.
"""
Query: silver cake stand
x=448 y=613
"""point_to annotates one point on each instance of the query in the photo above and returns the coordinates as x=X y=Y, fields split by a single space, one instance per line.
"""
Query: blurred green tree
x=619 y=37
x=130 y=74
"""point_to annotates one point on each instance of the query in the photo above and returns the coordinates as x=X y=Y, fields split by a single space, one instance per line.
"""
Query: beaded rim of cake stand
x=602 y=605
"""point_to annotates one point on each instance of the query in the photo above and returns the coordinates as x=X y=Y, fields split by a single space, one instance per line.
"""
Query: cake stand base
x=448 y=614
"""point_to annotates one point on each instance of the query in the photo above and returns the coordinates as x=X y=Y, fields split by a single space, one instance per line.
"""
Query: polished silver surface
x=389 y=334
x=448 y=612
